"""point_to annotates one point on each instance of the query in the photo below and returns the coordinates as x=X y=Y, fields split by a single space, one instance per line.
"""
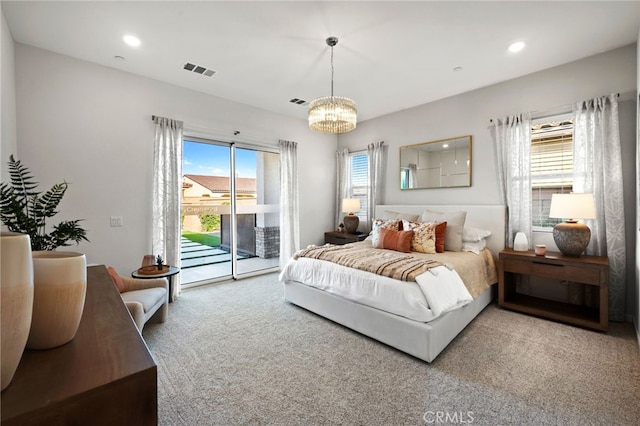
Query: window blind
x=360 y=182
x=551 y=167
x=552 y=158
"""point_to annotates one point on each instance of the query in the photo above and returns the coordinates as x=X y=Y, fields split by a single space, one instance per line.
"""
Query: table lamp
x=351 y=221
x=572 y=237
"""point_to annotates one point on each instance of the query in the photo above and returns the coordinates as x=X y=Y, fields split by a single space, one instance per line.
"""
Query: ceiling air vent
x=299 y=101
x=198 y=69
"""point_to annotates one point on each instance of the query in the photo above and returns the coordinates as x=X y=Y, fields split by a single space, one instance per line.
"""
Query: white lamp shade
x=350 y=205
x=572 y=206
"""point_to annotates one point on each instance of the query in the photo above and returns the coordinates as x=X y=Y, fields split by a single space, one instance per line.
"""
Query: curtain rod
x=539 y=113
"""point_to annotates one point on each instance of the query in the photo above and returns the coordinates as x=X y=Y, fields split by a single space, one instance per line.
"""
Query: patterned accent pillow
x=441 y=228
x=391 y=224
x=395 y=240
x=424 y=236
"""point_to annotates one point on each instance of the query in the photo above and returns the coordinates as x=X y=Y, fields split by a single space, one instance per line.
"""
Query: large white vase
x=60 y=286
x=16 y=294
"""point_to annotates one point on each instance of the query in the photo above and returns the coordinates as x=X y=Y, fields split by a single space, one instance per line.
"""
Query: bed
x=416 y=333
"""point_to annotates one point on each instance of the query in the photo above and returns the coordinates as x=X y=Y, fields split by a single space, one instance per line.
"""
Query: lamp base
x=571 y=237
x=351 y=223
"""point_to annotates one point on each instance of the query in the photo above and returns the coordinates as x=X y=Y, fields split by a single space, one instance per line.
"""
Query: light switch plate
x=116 y=221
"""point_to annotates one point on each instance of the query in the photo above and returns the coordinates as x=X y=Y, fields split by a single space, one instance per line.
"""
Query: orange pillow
x=394 y=240
x=440 y=232
x=117 y=281
x=378 y=224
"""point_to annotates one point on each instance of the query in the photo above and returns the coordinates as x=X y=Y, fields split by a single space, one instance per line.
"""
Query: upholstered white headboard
x=489 y=217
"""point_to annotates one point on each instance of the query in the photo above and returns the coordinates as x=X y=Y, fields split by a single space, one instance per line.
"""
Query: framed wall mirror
x=439 y=164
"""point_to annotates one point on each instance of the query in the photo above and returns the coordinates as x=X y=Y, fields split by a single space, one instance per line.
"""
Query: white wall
x=543 y=93
x=8 y=101
x=91 y=125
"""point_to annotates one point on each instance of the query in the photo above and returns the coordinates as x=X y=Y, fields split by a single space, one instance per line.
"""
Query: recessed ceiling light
x=516 y=47
x=131 y=40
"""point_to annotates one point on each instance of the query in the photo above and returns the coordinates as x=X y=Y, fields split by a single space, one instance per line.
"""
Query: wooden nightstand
x=586 y=270
x=340 y=238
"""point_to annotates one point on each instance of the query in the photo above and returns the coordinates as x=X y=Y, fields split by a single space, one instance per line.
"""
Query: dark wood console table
x=104 y=376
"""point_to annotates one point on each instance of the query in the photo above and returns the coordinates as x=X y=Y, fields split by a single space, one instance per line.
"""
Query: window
x=405 y=177
x=359 y=181
x=551 y=167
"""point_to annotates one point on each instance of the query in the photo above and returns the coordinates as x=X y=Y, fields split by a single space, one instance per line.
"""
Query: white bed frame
x=422 y=340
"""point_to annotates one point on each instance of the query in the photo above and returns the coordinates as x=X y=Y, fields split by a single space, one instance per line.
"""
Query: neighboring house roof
x=221 y=183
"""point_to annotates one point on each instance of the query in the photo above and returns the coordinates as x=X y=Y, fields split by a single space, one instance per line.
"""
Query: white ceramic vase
x=520 y=242
x=60 y=287
x=16 y=294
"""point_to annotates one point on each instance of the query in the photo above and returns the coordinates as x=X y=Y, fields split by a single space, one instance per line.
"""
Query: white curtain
x=375 y=152
x=167 y=192
x=512 y=137
x=413 y=175
x=343 y=173
x=597 y=169
x=289 y=208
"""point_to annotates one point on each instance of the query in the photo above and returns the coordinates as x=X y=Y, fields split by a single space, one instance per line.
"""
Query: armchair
x=146 y=299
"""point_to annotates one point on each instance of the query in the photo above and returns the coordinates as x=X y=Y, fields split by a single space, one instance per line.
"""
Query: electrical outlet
x=116 y=221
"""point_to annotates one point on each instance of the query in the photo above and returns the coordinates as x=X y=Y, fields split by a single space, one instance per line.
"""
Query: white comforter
x=434 y=292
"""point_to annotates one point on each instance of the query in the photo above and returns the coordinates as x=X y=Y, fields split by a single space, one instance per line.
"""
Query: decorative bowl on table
x=153 y=270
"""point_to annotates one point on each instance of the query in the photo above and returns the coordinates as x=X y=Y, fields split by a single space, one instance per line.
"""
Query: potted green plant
x=59 y=277
x=23 y=209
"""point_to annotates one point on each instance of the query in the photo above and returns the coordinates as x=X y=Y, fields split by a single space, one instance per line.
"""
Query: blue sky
x=213 y=160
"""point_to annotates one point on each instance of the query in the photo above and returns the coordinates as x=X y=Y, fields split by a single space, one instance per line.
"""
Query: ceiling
x=390 y=55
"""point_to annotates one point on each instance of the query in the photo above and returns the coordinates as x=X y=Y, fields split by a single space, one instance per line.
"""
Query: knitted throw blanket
x=392 y=264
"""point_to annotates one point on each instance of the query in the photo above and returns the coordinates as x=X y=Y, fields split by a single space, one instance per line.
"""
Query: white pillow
x=472 y=234
x=455 y=224
x=402 y=216
x=474 y=246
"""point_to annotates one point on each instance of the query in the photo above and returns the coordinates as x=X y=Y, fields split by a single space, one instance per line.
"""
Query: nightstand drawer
x=558 y=271
x=340 y=239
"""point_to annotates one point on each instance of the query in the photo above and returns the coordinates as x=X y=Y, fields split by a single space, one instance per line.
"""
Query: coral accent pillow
x=441 y=229
x=117 y=281
x=424 y=236
x=394 y=240
x=378 y=224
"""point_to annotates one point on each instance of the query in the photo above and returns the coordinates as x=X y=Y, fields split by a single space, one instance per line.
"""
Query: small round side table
x=173 y=270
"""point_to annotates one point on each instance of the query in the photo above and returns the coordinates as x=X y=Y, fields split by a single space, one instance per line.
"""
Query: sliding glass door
x=230 y=220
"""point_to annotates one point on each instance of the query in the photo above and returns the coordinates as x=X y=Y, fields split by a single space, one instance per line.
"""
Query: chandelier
x=332 y=114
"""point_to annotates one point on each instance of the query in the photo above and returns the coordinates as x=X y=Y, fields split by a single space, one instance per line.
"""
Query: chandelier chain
x=332 y=71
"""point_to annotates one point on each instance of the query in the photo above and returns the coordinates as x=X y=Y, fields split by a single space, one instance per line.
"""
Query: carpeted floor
x=238 y=354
